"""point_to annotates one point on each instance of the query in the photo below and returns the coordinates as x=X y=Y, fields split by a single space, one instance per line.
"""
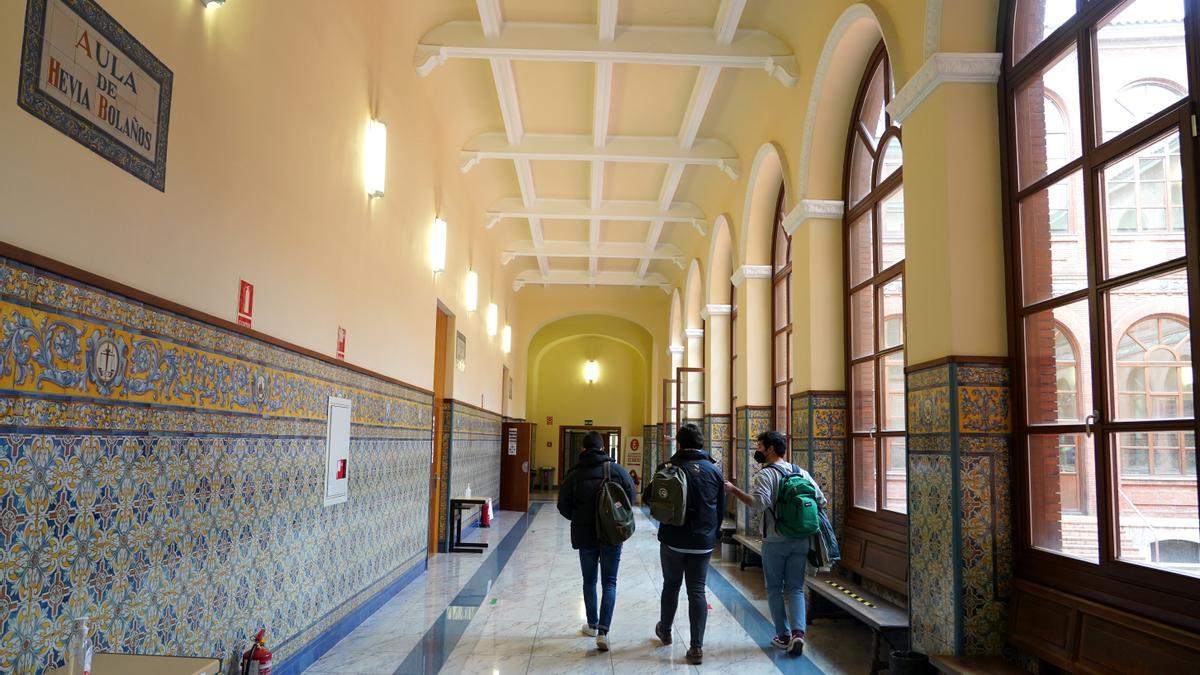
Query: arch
x=849 y=46
x=758 y=213
x=721 y=257
x=675 y=337
x=693 y=296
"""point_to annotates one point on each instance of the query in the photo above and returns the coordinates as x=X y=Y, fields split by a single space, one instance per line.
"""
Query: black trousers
x=676 y=567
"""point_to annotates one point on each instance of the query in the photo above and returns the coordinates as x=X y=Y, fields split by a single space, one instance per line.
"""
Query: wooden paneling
x=879 y=559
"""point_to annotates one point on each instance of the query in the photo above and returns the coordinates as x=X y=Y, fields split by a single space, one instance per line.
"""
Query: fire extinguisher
x=257 y=659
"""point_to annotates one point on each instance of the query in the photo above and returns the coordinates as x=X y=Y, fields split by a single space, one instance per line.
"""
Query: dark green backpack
x=796 y=512
x=614 y=513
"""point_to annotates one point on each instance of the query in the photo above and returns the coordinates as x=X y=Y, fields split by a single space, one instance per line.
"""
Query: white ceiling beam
x=525 y=182
x=666 y=195
x=602 y=104
x=728 y=16
x=702 y=91
x=583 y=278
x=621 y=250
x=652 y=236
x=606 y=19
x=650 y=45
x=490 y=17
x=579 y=148
x=597 y=189
x=580 y=209
x=510 y=102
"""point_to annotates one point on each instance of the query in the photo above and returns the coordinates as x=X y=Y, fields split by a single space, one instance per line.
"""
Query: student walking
x=784 y=552
x=578 y=499
x=687 y=498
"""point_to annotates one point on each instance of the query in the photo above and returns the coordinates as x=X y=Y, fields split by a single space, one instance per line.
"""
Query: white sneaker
x=602 y=642
x=587 y=630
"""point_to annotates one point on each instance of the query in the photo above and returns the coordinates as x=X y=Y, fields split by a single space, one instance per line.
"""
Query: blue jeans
x=783 y=570
x=607 y=559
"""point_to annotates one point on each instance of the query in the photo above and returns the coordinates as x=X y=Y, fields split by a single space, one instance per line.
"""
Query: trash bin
x=902 y=662
x=545 y=477
x=728 y=547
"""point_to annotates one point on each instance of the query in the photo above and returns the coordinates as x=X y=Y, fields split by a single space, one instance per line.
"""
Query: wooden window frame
x=781 y=282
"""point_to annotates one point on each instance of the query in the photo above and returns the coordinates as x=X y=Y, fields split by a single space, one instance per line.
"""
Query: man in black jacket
x=684 y=550
x=577 y=500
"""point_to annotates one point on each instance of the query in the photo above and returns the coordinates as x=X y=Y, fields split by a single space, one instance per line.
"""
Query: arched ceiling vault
x=603 y=172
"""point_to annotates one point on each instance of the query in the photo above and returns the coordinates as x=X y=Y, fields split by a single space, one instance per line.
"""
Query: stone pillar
x=819 y=445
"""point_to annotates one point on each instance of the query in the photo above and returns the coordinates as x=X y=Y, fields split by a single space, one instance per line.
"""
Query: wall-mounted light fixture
x=506 y=339
x=212 y=4
x=493 y=319
x=375 y=158
x=591 y=372
x=472 y=291
x=437 y=246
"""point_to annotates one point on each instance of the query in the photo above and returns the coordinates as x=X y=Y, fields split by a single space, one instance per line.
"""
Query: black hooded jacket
x=705 y=503
x=577 y=496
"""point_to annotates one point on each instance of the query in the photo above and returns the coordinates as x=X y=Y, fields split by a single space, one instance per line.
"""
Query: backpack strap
x=607 y=474
x=782 y=475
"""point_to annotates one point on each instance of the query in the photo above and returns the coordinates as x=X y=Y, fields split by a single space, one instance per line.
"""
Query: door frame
x=562 y=443
x=442 y=318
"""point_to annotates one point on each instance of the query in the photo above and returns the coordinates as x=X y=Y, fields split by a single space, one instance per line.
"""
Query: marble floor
x=517 y=609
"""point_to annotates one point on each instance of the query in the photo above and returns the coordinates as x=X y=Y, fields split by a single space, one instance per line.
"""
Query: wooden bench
x=748 y=544
x=888 y=623
x=974 y=665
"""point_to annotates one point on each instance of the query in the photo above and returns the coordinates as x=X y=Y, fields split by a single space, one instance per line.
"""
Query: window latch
x=1088 y=422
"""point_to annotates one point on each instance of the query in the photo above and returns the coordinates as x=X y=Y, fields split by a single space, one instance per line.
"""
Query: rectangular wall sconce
x=493 y=319
x=212 y=4
x=472 y=291
x=375 y=158
x=437 y=246
x=506 y=339
x=591 y=372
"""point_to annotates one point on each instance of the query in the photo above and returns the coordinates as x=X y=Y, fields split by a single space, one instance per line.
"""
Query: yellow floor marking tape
x=852 y=594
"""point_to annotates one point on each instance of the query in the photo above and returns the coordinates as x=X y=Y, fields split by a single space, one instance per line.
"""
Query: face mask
x=760 y=457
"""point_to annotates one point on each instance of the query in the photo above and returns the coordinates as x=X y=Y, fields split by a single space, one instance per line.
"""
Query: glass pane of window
x=782 y=422
x=782 y=244
x=781 y=357
x=1158 y=521
x=892 y=230
x=862 y=396
x=1036 y=19
x=872 y=115
x=895 y=475
x=1143 y=207
x=862 y=164
x=1057 y=358
x=862 y=323
x=782 y=310
x=862 y=250
x=1046 y=119
x=892 y=158
x=1053 y=243
x=1152 y=352
x=1062 y=513
x=864 y=473
x=1142 y=63
x=893 y=383
x=891 y=309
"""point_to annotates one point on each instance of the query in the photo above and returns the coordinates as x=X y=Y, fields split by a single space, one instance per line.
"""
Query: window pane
x=872 y=115
x=1143 y=207
x=1158 y=521
x=891 y=300
x=1062 y=514
x=782 y=310
x=1057 y=364
x=891 y=159
x=1151 y=364
x=862 y=323
x=862 y=393
x=893 y=383
x=895 y=476
x=1037 y=19
x=862 y=251
x=1053 y=244
x=1142 y=62
x=1044 y=106
x=864 y=473
x=781 y=357
x=862 y=164
x=892 y=230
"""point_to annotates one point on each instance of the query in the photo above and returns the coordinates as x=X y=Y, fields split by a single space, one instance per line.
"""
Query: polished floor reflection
x=517 y=609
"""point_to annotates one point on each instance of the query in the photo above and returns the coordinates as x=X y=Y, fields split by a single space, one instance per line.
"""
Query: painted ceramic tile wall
x=716 y=435
x=474 y=453
x=165 y=477
x=819 y=445
x=751 y=421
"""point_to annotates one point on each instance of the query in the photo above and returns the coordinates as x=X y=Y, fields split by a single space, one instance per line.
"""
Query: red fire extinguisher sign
x=245 y=312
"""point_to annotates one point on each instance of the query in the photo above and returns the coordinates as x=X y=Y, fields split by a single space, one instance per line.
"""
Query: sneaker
x=781 y=641
x=587 y=630
x=663 y=635
x=602 y=642
x=796 y=644
x=695 y=656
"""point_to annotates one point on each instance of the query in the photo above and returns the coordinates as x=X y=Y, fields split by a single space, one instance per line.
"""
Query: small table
x=131 y=664
x=457 y=506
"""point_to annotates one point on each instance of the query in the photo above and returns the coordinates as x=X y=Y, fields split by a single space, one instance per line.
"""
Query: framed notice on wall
x=85 y=75
x=460 y=352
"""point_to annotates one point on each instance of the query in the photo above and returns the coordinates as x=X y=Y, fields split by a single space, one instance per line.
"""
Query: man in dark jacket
x=577 y=500
x=684 y=550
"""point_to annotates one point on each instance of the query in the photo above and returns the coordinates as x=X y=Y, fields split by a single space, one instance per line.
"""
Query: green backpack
x=667 y=495
x=614 y=513
x=796 y=512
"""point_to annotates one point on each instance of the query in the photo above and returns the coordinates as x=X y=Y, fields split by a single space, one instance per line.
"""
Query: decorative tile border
x=716 y=435
x=751 y=421
x=819 y=445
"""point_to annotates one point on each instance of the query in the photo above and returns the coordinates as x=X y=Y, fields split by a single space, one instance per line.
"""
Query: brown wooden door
x=436 y=479
x=516 y=446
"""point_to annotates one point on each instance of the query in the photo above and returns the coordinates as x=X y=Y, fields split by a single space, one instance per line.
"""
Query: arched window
x=733 y=397
x=874 y=245
x=781 y=321
x=1098 y=99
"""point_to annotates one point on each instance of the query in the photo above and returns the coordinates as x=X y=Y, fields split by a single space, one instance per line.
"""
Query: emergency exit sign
x=587 y=423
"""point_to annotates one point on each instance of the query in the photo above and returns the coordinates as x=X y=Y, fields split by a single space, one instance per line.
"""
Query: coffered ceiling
x=600 y=113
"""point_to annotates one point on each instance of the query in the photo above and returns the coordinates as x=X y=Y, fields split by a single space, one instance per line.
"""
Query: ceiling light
x=472 y=291
x=591 y=372
x=437 y=247
x=375 y=157
x=493 y=319
x=211 y=4
x=506 y=339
